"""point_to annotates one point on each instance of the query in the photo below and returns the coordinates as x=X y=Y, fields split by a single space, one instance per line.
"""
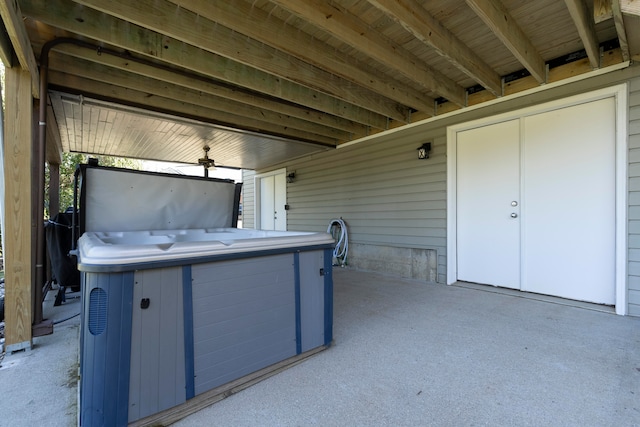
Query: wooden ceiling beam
x=631 y=7
x=631 y=17
x=112 y=76
x=12 y=18
x=602 y=10
x=618 y=20
x=585 y=25
x=134 y=97
x=499 y=20
x=337 y=22
x=96 y=25
x=258 y=24
x=188 y=27
x=415 y=19
x=211 y=88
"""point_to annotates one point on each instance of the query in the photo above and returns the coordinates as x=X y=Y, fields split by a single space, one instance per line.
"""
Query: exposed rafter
x=632 y=7
x=415 y=19
x=324 y=71
x=497 y=17
x=618 y=19
x=583 y=21
x=258 y=24
x=355 y=33
x=220 y=109
x=187 y=81
x=98 y=26
x=188 y=27
x=631 y=17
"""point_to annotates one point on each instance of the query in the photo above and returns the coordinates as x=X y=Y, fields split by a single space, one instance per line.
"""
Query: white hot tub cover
x=114 y=199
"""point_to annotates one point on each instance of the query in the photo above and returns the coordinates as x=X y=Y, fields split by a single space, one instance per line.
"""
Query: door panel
x=569 y=202
x=488 y=182
x=280 y=191
x=267 y=203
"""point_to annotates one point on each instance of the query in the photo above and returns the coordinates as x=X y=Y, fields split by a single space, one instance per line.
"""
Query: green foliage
x=68 y=167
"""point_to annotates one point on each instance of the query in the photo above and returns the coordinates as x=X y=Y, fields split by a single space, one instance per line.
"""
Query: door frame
x=620 y=94
x=257 y=217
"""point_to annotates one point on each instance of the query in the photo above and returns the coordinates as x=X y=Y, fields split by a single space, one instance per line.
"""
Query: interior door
x=488 y=199
x=569 y=202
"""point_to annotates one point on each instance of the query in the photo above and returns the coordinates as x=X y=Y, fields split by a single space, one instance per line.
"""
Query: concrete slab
x=39 y=386
x=409 y=353
x=405 y=353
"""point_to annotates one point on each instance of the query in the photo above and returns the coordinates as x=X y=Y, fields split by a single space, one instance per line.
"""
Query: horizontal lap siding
x=248 y=198
x=390 y=198
x=384 y=193
x=634 y=197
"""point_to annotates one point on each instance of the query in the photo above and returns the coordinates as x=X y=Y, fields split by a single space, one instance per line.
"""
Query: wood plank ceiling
x=262 y=81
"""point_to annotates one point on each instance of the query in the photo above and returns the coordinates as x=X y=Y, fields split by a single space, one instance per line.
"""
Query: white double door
x=536 y=203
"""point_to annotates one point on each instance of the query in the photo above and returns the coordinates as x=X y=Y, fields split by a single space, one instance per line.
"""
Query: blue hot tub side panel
x=328 y=296
x=296 y=273
x=157 y=342
x=106 y=348
x=244 y=314
x=187 y=301
x=311 y=300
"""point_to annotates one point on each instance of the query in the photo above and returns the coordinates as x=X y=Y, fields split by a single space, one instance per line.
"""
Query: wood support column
x=18 y=138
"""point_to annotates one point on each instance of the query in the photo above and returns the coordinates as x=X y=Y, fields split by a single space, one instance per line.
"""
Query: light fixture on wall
x=291 y=176
x=423 y=150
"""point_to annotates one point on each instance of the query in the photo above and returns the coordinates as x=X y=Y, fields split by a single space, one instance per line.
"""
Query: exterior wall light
x=423 y=150
x=291 y=177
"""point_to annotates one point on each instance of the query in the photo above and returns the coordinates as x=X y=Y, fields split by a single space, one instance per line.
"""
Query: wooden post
x=18 y=228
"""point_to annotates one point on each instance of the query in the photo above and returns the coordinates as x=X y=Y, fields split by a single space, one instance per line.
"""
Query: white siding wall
x=387 y=197
x=634 y=197
x=395 y=204
x=248 y=196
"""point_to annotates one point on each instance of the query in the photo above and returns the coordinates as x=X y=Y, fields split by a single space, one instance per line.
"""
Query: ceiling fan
x=209 y=164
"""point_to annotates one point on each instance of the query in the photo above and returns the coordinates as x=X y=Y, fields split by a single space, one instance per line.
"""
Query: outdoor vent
x=97 y=311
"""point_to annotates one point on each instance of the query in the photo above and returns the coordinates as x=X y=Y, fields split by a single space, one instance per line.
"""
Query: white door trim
x=620 y=93
x=257 y=197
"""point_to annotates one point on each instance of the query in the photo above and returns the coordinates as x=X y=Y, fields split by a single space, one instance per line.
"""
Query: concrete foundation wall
x=411 y=263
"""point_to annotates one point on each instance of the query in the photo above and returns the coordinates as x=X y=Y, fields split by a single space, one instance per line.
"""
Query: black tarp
x=59 y=241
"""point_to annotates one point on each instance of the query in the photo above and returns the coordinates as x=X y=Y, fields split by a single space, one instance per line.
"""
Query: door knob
x=514 y=215
x=514 y=203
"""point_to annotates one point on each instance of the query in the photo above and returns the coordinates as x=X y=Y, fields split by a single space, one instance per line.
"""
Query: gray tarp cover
x=120 y=200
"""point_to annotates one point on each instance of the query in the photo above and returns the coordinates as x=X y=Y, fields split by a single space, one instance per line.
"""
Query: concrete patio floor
x=408 y=353
x=405 y=353
x=39 y=387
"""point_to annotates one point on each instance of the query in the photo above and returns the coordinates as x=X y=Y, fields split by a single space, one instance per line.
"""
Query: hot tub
x=171 y=315
x=164 y=246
